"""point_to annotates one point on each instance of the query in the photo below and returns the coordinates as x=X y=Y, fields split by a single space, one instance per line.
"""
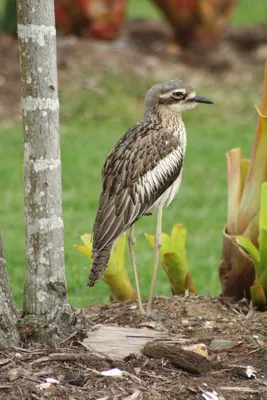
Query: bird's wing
x=137 y=172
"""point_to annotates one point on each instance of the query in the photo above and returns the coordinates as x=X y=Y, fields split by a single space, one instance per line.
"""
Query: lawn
x=247 y=12
x=91 y=123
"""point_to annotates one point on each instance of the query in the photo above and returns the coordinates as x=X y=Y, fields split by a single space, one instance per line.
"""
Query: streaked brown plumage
x=143 y=171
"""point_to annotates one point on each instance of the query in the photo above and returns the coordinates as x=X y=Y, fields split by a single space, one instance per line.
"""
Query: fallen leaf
x=112 y=372
x=199 y=348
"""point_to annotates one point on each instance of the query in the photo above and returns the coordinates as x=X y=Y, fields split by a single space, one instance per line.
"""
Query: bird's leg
x=157 y=247
x=131 y=241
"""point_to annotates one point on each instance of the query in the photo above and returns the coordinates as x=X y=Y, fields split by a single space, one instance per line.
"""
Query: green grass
x=247 y=12
x=91 y=123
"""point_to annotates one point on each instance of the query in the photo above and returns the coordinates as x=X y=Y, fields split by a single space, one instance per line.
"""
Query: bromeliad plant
x=259 y=289
x=245 y=178
x=102 y=19
x=197 y=23
x=174 y=260
x=116 y=275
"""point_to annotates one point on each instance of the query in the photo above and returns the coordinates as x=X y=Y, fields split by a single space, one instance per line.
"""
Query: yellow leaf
x=120 y=252
x=176 y=271
x=87 y=240
x=115 y=275
x=150 y=238
x=121 y=288
x=178 y=237
x=165 y=240
x=84 y=250
x=166 y=245
x=112 y=265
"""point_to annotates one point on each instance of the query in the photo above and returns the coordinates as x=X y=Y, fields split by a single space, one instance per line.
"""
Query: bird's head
x=173 y=96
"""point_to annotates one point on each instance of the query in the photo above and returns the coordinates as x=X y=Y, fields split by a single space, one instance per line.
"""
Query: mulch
x=233 y=334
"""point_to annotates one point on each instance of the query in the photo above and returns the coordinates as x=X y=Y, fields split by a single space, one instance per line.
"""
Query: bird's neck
x=166 y=120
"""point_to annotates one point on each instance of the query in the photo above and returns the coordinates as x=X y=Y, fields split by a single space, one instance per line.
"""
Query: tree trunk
x=8 y=310
x=45 y=285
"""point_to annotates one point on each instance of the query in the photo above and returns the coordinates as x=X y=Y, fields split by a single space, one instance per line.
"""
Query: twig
x=154 y=376
x=26 y=350
x=67 y=338
x=29 y=378
x=65 y=356
x=250 y=313
x=261 y=382
x=3 y=387
x=134 y=396
x=5 y=361
x=58 y=357
x=220 y=371
x=258 y=349
x=44 y=373
x=39 y=360
x=239 y=389
x=91 y=370
x=238 y=312
x=133 y=377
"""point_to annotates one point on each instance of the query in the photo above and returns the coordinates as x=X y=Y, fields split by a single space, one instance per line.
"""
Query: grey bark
x=45 y=284
x=8 y=310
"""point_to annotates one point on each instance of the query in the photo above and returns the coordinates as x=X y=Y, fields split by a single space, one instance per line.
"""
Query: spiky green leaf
x=249 y=248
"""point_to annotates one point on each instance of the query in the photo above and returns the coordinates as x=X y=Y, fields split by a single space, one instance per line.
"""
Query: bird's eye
x=178 y=95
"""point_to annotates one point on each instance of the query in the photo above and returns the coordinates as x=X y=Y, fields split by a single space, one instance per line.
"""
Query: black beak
x=199 y=99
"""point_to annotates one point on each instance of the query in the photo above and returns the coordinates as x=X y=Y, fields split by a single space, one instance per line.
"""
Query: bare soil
x=76 y=372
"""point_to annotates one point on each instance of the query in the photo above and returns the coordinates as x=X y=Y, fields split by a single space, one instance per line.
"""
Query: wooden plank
x=118 y=342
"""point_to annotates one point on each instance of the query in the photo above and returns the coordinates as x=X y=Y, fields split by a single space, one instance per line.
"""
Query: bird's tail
x=100 y=263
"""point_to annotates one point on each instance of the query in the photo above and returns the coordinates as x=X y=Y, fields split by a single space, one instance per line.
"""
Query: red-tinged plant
x=197 y=22
x=237 y=268
x=102 y=19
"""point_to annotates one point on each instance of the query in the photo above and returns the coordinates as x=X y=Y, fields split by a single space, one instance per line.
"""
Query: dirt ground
x=233 y=336
x=235 y=369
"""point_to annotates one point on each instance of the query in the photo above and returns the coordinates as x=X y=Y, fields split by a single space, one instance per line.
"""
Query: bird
x=142 y=175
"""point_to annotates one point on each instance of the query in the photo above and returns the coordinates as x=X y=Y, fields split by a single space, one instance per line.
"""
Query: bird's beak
x=199 y=99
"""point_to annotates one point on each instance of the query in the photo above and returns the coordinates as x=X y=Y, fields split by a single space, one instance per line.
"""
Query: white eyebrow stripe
x=170 y=93
x=191 y=95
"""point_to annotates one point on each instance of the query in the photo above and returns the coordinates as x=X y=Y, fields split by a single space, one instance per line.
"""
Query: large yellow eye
x=178 y=95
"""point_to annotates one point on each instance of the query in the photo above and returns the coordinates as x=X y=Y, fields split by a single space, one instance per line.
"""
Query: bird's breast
x=167 y=197
x=181 y=134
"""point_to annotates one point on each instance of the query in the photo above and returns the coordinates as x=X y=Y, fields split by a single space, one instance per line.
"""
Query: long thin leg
x=156 y=261
x=131 y=241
